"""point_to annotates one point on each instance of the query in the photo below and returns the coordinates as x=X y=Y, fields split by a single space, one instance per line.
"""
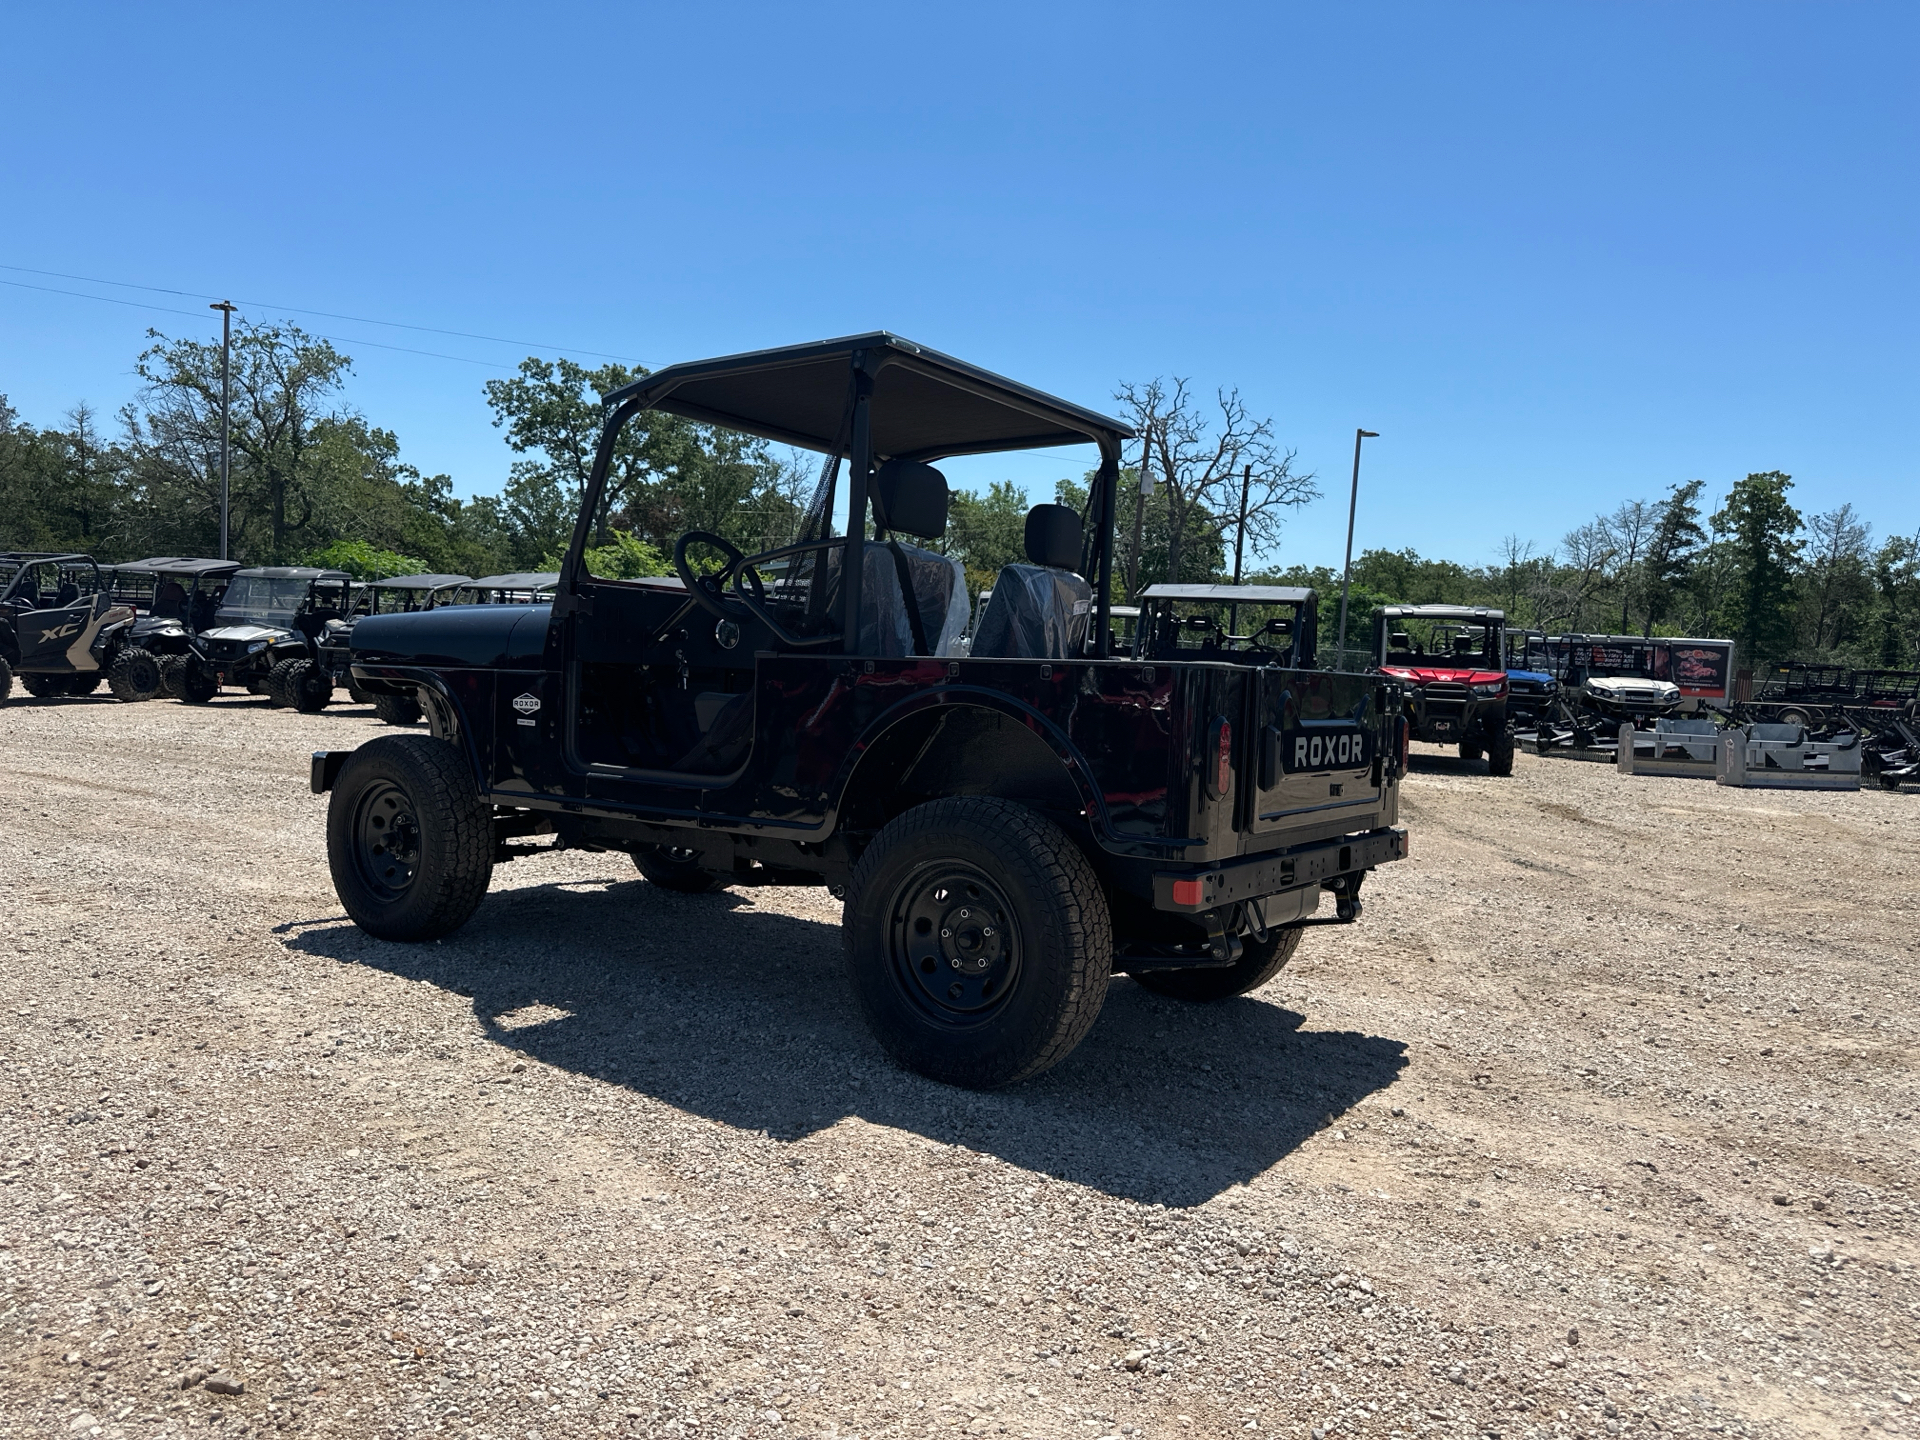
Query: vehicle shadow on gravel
x=738 y=1013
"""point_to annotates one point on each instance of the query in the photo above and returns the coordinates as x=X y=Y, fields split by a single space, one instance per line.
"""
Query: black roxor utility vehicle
x=1007 y=827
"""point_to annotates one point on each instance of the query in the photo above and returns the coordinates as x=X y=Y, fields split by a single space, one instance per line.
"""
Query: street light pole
x=225 y=307
x=1239 y=545
x=1353 y=503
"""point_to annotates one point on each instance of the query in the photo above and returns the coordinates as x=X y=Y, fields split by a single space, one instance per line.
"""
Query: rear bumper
x=1190 y=892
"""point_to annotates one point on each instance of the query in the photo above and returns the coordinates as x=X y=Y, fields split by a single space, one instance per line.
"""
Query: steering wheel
x=709 y=591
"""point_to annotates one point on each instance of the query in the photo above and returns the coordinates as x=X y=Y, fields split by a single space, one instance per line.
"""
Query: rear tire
x=198 y=682
x=173 y=669
x=307 y=687
x=1259 y=962
x=1469 y=751
x=673 y=869
x=135 y=674
x=397 y=709
x=44 y=687
x=1500 y=755
x=978 y=941
x=409 y=841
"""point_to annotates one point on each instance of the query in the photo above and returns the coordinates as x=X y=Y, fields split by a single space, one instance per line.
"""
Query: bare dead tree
x=1631 y=530
x=1589 y=549
x=1203 y=464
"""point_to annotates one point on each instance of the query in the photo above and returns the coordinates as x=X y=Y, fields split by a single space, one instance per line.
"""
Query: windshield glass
x=1446 y=644
x=256 y=597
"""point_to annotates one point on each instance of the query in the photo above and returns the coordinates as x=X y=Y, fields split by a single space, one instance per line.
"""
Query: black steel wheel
x=978 y=941
x=397 y=709
x=1259 y=962
x=409 y=841
x=674 y=868
x=135 y=674
x=1500 y=755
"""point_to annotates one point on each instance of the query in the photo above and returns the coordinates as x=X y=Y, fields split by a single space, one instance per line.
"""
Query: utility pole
x=1239 y=544
x=1353 y=502
x=225 y=307
x=1139 y=518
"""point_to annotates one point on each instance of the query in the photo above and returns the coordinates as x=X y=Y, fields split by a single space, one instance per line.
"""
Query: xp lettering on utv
x=1008 y=823
x=1452 y=661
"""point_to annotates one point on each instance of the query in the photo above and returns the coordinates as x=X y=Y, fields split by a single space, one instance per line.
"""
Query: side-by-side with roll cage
x=1009 y=819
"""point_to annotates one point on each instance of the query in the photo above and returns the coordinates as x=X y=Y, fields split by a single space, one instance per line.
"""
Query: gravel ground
x=1600 y=1122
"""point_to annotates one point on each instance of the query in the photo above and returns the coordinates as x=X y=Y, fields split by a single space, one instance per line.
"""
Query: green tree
x=363 y=561
x=1836 y=583
x=1896 y=614
x=1676 y=542
x=286 y=387
x=1761 y=529
x=987 y=531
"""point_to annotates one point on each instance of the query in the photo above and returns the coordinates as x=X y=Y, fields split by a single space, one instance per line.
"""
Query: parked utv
x=332 y=662
x=532 y=587
x=175 y=597
x=1006 y=827
x=1532 y=689
x=62 y=632
x=267 y=622
x=1452 y=661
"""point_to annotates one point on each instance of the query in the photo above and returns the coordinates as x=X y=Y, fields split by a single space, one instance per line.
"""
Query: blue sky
x=1558 y=255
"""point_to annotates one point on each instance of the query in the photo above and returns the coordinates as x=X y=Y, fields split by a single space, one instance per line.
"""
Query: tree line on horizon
x=313 y=481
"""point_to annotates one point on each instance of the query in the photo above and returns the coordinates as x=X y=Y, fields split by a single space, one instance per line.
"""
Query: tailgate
x=1319 y=747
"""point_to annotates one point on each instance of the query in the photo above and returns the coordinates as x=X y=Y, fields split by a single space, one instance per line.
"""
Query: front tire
x=1259 y=962
x=397 y=709
x=409 y=841
x=173 y=669
x=198 y=682
x=978 y=941
x=135 y=674
x=44 y=687
x=674 y=869
x=278 y=685
x=307 y=687
x=1500 y=755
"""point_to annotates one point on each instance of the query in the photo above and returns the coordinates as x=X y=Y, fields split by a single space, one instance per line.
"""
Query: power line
x=195 y=314
x=325 y=314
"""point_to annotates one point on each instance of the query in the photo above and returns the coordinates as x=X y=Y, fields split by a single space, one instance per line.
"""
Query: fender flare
x=446 y=719
x=1072 y=762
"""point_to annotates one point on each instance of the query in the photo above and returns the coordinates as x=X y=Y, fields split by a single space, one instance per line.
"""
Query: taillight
x=1222 y=779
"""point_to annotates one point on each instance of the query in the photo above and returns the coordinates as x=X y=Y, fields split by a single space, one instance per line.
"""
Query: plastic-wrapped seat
x=1040 y=610
x=910 y=499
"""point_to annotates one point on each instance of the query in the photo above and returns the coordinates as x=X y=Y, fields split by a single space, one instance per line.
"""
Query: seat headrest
x=1053 y=537
x=911 y=498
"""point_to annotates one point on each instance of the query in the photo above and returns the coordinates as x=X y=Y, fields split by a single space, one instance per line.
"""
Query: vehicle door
x=1318 y=743
x=658 y=694
x=55 y=640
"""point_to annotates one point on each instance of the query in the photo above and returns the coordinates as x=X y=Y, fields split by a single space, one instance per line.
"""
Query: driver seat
x=912 y=601
x=1040 y=610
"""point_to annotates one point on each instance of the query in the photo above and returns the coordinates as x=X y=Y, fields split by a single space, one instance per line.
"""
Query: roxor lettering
x=1324 y=752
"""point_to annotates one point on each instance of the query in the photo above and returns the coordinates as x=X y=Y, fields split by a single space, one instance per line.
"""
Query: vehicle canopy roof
x=43 y=557
x=422 y=582
x=925 y=404
x=522 y=580
x=178 y=565
x=1482 y=613
x=1231 y=594
x=290 y=572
